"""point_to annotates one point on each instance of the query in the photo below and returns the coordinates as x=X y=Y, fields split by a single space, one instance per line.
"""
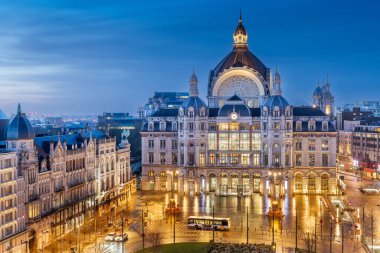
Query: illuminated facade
x=64 y=177
x=247 y=139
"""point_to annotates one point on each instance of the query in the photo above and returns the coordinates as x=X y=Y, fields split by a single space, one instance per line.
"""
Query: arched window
x=311 y=182
x=163 y=176
x=325 y=182
x=298 y=182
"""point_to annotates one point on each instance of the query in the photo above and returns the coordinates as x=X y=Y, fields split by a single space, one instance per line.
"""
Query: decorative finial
x=327 y=78
x=240 y=19
x=19 y=109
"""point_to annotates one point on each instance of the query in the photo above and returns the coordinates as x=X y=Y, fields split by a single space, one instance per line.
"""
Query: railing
x=76 y=183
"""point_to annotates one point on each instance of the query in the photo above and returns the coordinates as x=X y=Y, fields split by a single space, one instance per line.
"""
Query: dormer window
x=150 y=126
x=311 y=125
x=325 y=126
x=298 y=126
x=276 y=112
x=191 y=114
x=162 y=126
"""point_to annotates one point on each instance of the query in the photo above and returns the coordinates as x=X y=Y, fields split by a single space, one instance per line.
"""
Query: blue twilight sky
x=91 y=56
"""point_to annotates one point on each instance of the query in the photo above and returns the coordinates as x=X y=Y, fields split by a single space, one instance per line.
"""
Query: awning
x=369 y=170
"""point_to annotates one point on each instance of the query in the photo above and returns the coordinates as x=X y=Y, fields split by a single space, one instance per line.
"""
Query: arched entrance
x=151 y=180
x=256 y=182
x=223 y=184
x=213 y=182
x=245 y=182
x=298 y=182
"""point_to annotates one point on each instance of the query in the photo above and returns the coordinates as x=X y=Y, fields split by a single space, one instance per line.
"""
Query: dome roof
x=240 y=57
x=240 y=109
x=279 y=101
x=20 y=127
x=318 y=91
x=194 y=102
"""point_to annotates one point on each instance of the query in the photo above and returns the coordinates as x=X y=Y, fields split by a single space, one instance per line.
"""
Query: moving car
x=110 y=237
x=121 y=237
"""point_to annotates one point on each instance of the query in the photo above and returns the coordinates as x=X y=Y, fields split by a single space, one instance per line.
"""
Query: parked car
x=121 y=237
x=110 y=237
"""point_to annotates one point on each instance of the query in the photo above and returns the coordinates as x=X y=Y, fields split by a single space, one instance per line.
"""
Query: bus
x=206 y=222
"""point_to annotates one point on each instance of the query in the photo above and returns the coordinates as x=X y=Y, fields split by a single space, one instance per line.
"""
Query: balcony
x=75 y=183
x=59 y=188
x=34 y=197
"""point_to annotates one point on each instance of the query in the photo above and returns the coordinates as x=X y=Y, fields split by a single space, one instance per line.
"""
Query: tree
x=155 y=237
x=309 y=241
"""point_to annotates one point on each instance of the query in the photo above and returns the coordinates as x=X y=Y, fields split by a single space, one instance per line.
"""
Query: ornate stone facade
x=248 y=139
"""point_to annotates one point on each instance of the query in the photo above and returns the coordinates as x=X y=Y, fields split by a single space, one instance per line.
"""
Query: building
x=161 y=100
x=247 y=139
x=114 y=124
x=64 y=177
x=4 y=121
x=366 y=150
x=344 y=152
x=14 y=236
x=323 y=99
x=348 y=119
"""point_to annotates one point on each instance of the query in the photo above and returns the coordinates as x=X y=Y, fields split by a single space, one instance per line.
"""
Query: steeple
x=276 y=91
x=19 y=112
x=240 y=35
x=194 y=92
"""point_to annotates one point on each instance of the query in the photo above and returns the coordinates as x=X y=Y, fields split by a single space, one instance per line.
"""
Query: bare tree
x=156 y=237
x=369 y=228
x=309 y=241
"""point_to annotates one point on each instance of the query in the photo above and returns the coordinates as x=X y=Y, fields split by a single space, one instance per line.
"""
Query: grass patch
x=187 y=247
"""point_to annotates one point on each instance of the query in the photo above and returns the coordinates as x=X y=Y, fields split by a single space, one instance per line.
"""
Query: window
x=298 y=126
x=311 y=160
x=212 y=141
x=151 y=157
x=181 y=126
x=298 y=182
x=223 y=127
x=202 y=159
x=311 y=145
x=298 y=159
x=162 y=144
x=311 y=125
x=325 y=145
x=191 y=159
x=325 y=160
x=234 y=126
x=162 y=126
x=276 y=159
x=325 y=126
x=264 y=126
x=223 y=141
x=256 y=142
x=265 y=159
x=174 y=158
x=276 y=113
x=288 y=125
x=150 y=126
x=256 y=159
x=234 y=141
x=298 y=145
x=223 y=159
x=174 y=144
x=276 y=126
x=212 y=159
x=151 y=144
x=202 y=126
x=245 y=159
x=234 y=158
x=325 y=182
x=191 y=126
x=244 y=141
x=287 y=160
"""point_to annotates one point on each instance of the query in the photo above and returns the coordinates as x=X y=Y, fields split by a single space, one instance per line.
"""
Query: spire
x=276 y=90
x=19 y=112
x=194 y=92
x=240 y=35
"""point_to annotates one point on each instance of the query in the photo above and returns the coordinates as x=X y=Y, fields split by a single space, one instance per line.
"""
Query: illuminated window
x=298 y=160
x=202 y=159
x=325 y=160
x=311 y=160
x=234 y=141
x=325 y=145
x=223 y=127
x=311 y=145
x=212 y=144
x=223 y=159
x=244 y=141
x=234 y=158
x=223 y=141
x=256 y=159
x=256 y=142
x=212 y=159
x=245 y=159
x=234 y=126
